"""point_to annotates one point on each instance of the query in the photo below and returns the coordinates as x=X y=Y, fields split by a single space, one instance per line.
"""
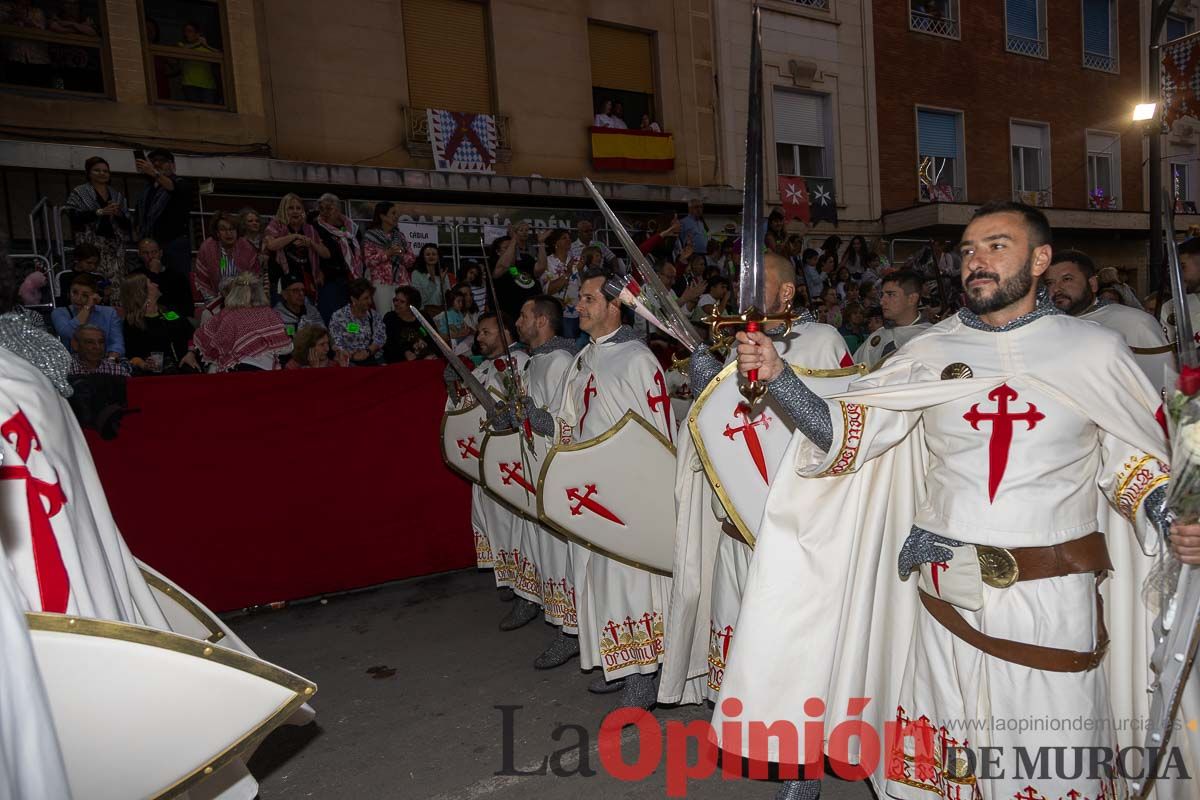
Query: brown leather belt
x=730 y=530
x=1088 y=554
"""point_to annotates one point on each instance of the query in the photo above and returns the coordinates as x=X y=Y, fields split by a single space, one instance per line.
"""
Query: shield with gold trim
x=741 y=445
x=463 y=432
x=614 y=494
x=510 y=466
x=186 y=707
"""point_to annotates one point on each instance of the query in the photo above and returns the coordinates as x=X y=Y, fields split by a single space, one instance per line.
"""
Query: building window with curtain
x=64 y=50
x=447 y=56
x=186 y=52
x=802 y=135
x=1030 y=163
x=1103 y=170
x=1025 y=23
x=622 y=63
x=941 y=165
x=1176 y=27
x=939 y=17
x=1100 y=35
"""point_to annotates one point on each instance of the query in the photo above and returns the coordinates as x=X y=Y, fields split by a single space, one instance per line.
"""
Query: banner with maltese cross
x=462 y=142
x=808 y=199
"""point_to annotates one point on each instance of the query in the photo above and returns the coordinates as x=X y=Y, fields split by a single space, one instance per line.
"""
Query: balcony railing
x=1099 y=61
x=933 y=23
x=1027 y=47
x=1039 y=198
x=416 y=126
x=942 y=193
x=821 y=4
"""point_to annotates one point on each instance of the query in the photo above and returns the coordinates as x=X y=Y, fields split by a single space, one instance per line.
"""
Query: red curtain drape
x=249 y=488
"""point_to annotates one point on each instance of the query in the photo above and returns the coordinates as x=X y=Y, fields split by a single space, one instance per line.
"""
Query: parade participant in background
x=1189 y=260
x=711 y=557
x=1083 y=430
x=900 y=301
x=1073 y=286
x=613 y=374
x=546 y=567
x=494 y=525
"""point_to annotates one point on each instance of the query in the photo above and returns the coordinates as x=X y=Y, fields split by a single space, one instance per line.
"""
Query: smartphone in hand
x=139 y=155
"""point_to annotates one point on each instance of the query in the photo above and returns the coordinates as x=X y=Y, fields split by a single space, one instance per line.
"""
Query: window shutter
x=1101 y=143
x=621 y=59
x=1028 y=136
x=447 y=71
x=799 y=119
x=1097 y=27
x=1023 y=18
x=938 y=134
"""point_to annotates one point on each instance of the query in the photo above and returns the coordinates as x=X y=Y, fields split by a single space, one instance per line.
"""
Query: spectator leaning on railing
x=85 y=309
x=312 y=350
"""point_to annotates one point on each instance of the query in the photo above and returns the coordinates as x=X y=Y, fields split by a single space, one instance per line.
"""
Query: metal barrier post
x=33 y=232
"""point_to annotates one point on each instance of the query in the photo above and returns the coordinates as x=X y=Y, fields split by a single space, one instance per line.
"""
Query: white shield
x=462 y=440
x=510 y=466
x=184 y=707
x=741 y=446
x=614 y=494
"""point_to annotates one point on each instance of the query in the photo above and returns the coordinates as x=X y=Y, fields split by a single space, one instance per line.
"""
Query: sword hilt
x=750 y=321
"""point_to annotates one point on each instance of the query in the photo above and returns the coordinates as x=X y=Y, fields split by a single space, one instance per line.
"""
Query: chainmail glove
x=923 y=547
x=809 y=413
x=541 y=421
x=501 y=419
x=1157 y=512
x=702 y=368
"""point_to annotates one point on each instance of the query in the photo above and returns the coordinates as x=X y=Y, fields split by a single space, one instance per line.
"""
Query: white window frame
x=961 y=172
x=1187 y=160
x=948 y=27
x=1044 y=158
x=827 y=154
x=1189 y=23
x=1114 y=38
x=1114 y=157
x=1043 y=34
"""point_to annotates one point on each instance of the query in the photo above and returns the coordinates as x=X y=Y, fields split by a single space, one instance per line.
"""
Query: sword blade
x=751 y=292
x=1184 y=343
x=471 y=383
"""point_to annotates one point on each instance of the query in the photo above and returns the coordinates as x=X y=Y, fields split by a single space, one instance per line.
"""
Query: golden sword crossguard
x=751 y=321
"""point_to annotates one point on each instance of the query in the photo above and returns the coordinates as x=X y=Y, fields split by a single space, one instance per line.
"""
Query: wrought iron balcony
x=936 y=24
x=1039 y=198
x=1027 y=47
x=821 y=4
x=1100 y=61
x=942 y=193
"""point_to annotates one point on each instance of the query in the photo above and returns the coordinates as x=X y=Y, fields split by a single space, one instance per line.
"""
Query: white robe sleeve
x=860 y=432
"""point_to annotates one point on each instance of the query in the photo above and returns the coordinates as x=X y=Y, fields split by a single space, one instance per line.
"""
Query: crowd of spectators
x=309 y=287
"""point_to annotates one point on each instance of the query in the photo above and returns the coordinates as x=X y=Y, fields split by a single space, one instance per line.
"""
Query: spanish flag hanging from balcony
x=632 y=151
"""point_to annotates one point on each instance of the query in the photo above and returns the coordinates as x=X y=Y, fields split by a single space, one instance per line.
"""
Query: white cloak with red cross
x=546 y=574
x=60 y=541
x=1046 y=444
x=710 y=566
x=497 y=538
x=612 y=375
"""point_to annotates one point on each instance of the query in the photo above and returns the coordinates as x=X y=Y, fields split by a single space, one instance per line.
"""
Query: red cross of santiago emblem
x=1002 y=431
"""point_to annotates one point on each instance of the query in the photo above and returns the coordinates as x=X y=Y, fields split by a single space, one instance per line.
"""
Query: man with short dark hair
x=1189 y=262
x=1010 y=441
x=547 y=570
x=163 y=211
x=175 y=288
x=613 y=374
x=1071 y=281
x=88 y=356
x=294 y=308
x=902 y=318
x=85 y=309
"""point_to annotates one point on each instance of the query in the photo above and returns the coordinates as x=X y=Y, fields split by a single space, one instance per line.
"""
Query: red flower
x=1189 y=381
x=501 y=364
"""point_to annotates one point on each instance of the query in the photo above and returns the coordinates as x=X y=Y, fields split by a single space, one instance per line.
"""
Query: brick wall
x=991 y=86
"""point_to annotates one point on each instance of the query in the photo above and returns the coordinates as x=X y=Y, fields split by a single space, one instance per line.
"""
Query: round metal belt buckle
x=997 y=567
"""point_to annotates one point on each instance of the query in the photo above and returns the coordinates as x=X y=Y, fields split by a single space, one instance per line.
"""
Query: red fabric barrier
x=248 y=488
